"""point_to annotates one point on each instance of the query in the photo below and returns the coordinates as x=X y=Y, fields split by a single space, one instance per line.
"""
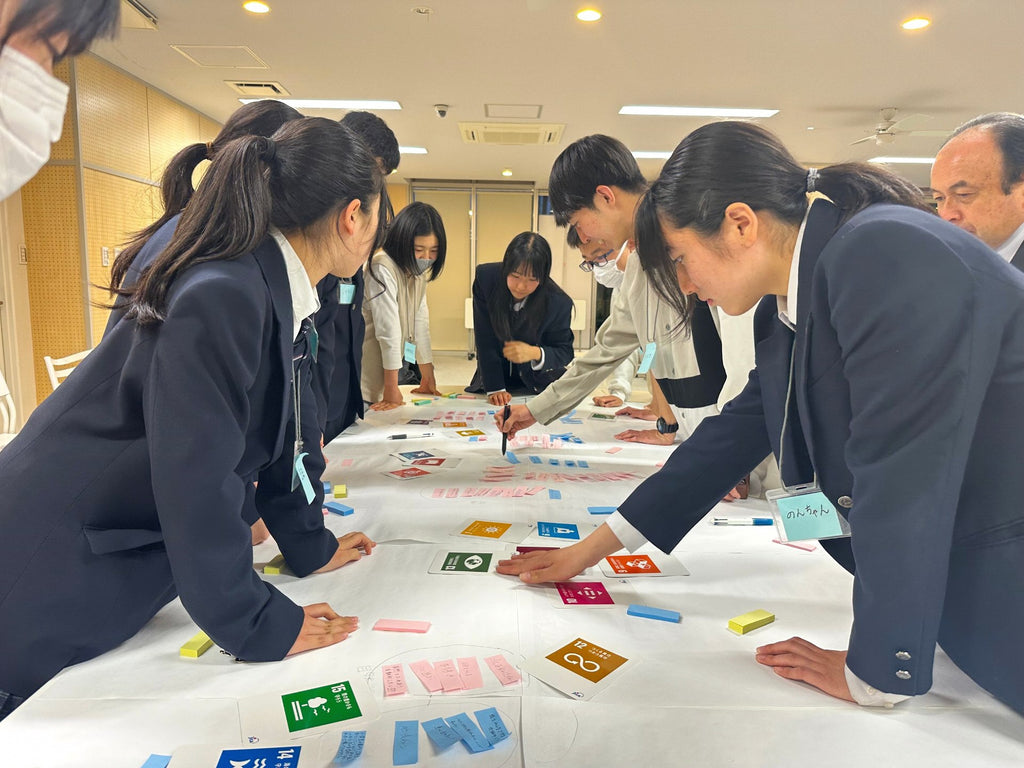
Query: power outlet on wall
x=105 y=256
x=23 y=255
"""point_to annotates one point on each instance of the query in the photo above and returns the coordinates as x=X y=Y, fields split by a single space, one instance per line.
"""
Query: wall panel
x=113 y=118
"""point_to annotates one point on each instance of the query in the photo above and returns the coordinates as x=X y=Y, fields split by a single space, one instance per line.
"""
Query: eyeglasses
x=600 y=261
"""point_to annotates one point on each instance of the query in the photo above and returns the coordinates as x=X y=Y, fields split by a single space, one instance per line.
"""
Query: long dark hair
x=415 y=220
x=83 y=20
x=260 y=118
x=528 y=253
x=728 y=162
x=298 y=181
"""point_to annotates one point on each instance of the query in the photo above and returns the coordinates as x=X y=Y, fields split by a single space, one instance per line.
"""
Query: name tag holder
x=804 y=513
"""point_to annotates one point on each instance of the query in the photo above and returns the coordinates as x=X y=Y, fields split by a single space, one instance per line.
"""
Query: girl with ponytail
x=890 y=346
x=159 y=432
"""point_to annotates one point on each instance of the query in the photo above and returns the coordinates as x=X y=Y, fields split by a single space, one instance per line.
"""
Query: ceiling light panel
x=641 y=109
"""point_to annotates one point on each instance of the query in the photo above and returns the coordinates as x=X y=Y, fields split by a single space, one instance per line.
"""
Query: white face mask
x=424 y=264
x=609 y=275
x=32 y=104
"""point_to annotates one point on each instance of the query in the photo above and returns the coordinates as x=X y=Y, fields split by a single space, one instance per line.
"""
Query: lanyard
x=785 y=415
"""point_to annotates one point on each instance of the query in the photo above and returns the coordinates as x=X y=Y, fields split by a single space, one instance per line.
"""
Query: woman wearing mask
x=395 y=309
x=34 y=36
x=159 y=431
x=521 y=322
x=888 y=379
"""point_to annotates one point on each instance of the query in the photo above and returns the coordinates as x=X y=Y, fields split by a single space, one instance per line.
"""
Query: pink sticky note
x=520 y=491
x=425 y=672
x=346 y=462
x=616 y=449
x=452 y=493
x=469 y=673
x=805 y=546
x=583 y=593
x=494 y=492
x=438 y=493
x=534 y=490
x=394 y=680
x=448 y=675
x=398 y=625
x=503 y=670
x=507 y=492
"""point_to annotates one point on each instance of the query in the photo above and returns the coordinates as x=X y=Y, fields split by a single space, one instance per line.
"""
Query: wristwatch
x=665 y=428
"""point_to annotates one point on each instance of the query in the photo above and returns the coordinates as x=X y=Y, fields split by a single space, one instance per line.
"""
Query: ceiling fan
x=888 y=128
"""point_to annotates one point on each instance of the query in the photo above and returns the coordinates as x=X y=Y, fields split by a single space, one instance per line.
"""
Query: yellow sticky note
x=748 y=622
x=276 y=566
x=197 y=646
x=340 y=491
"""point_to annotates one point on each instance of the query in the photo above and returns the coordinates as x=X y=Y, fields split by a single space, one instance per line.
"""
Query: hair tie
x=270 y=151
x=209 y=150
x=812 y=179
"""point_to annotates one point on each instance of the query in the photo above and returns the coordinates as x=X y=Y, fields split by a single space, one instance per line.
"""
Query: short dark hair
x=729 y=162
x=82 y=20
x=572 y=238
x=259 y=118
x=377 y=135
x=1007 y=128
x=585 y=165
x=417 y=219
x=297 y=181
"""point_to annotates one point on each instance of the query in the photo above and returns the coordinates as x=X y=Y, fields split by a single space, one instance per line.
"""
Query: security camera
x=441 y=110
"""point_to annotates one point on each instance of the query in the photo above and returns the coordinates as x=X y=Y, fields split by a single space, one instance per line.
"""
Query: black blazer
x=156 y=437
x=907 y=401
x=1018 y=258
x=339 y=364
x=553 y=335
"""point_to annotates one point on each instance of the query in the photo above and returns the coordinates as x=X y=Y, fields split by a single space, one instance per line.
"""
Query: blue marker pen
x=744 y=521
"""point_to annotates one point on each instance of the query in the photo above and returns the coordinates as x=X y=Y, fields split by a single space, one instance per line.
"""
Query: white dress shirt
x=1009 y=249
x=304 y=298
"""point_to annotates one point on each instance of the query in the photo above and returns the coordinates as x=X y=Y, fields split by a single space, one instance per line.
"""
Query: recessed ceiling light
x=645 y=155
x=254 y=6
x=810 y=127
x=413 y=150
x=507 y=172
x=588 y=14
x=335 y=103
x=917 y=22
x=636 y=109
x=907 y=160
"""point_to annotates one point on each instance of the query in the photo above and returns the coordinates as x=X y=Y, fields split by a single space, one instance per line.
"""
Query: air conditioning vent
x=252 y=89
x=514 y=134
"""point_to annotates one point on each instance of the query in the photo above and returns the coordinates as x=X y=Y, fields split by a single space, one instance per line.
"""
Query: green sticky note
x=808 y=516
x=467 y=561
x=320 y=706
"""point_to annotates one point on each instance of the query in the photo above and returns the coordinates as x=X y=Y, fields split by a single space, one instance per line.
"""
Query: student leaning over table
x=890 y=367
x=154 y=436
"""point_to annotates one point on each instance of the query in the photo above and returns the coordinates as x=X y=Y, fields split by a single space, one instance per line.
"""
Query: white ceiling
x=831 y=64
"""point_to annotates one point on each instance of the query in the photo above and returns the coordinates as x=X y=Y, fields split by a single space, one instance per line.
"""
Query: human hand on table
x=499 y=398
x=741 y=491
x=644 y=414
x=351 y=547
x=426 y=388
x=797 y=659
x=520 y=352
x=540 y=567
x=322 y=627
x=649 y=436
x=607 y=401
x=392 y=399
x=519 y=417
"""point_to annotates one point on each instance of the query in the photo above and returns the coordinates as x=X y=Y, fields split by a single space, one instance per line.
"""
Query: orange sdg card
x=632 y=564
x=486 y=529
x=587 y=660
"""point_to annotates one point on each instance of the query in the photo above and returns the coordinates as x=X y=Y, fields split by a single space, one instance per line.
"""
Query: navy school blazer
x=908 y=397
x=553 y=335
x=339 y=365
x=128 y=485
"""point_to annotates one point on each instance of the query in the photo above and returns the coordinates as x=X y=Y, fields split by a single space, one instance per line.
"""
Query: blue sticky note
x=299 y=473
x=350 y=748
x=157 y=761
x=808 y=516
x=439 y=733
x=647 y=612
x=285 y=757
x=511 y=457
x=474 y=439
x=492 y=726
x=601 y=510
x=553 y=494
x=406 y=750
x=570 y=463
x=583 y=464
x=649 y=352
x=409 y=352
x=536 y=460
x=328 y=487
x=346 y=293
x=553 y=462
x=471 y=736
x=558 y=530
x=338 y=509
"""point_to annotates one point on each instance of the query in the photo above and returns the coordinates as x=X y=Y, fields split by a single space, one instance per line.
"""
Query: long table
x=692 y=695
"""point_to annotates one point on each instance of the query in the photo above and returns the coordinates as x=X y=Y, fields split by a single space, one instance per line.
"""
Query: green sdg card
x=289 y=715
x=463 y=562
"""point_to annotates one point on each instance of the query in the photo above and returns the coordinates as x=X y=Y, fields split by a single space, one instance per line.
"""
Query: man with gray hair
x=978 y=182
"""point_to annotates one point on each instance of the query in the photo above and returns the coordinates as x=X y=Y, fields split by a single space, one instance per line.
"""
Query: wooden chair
x=8 y=416
x=60 y=367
